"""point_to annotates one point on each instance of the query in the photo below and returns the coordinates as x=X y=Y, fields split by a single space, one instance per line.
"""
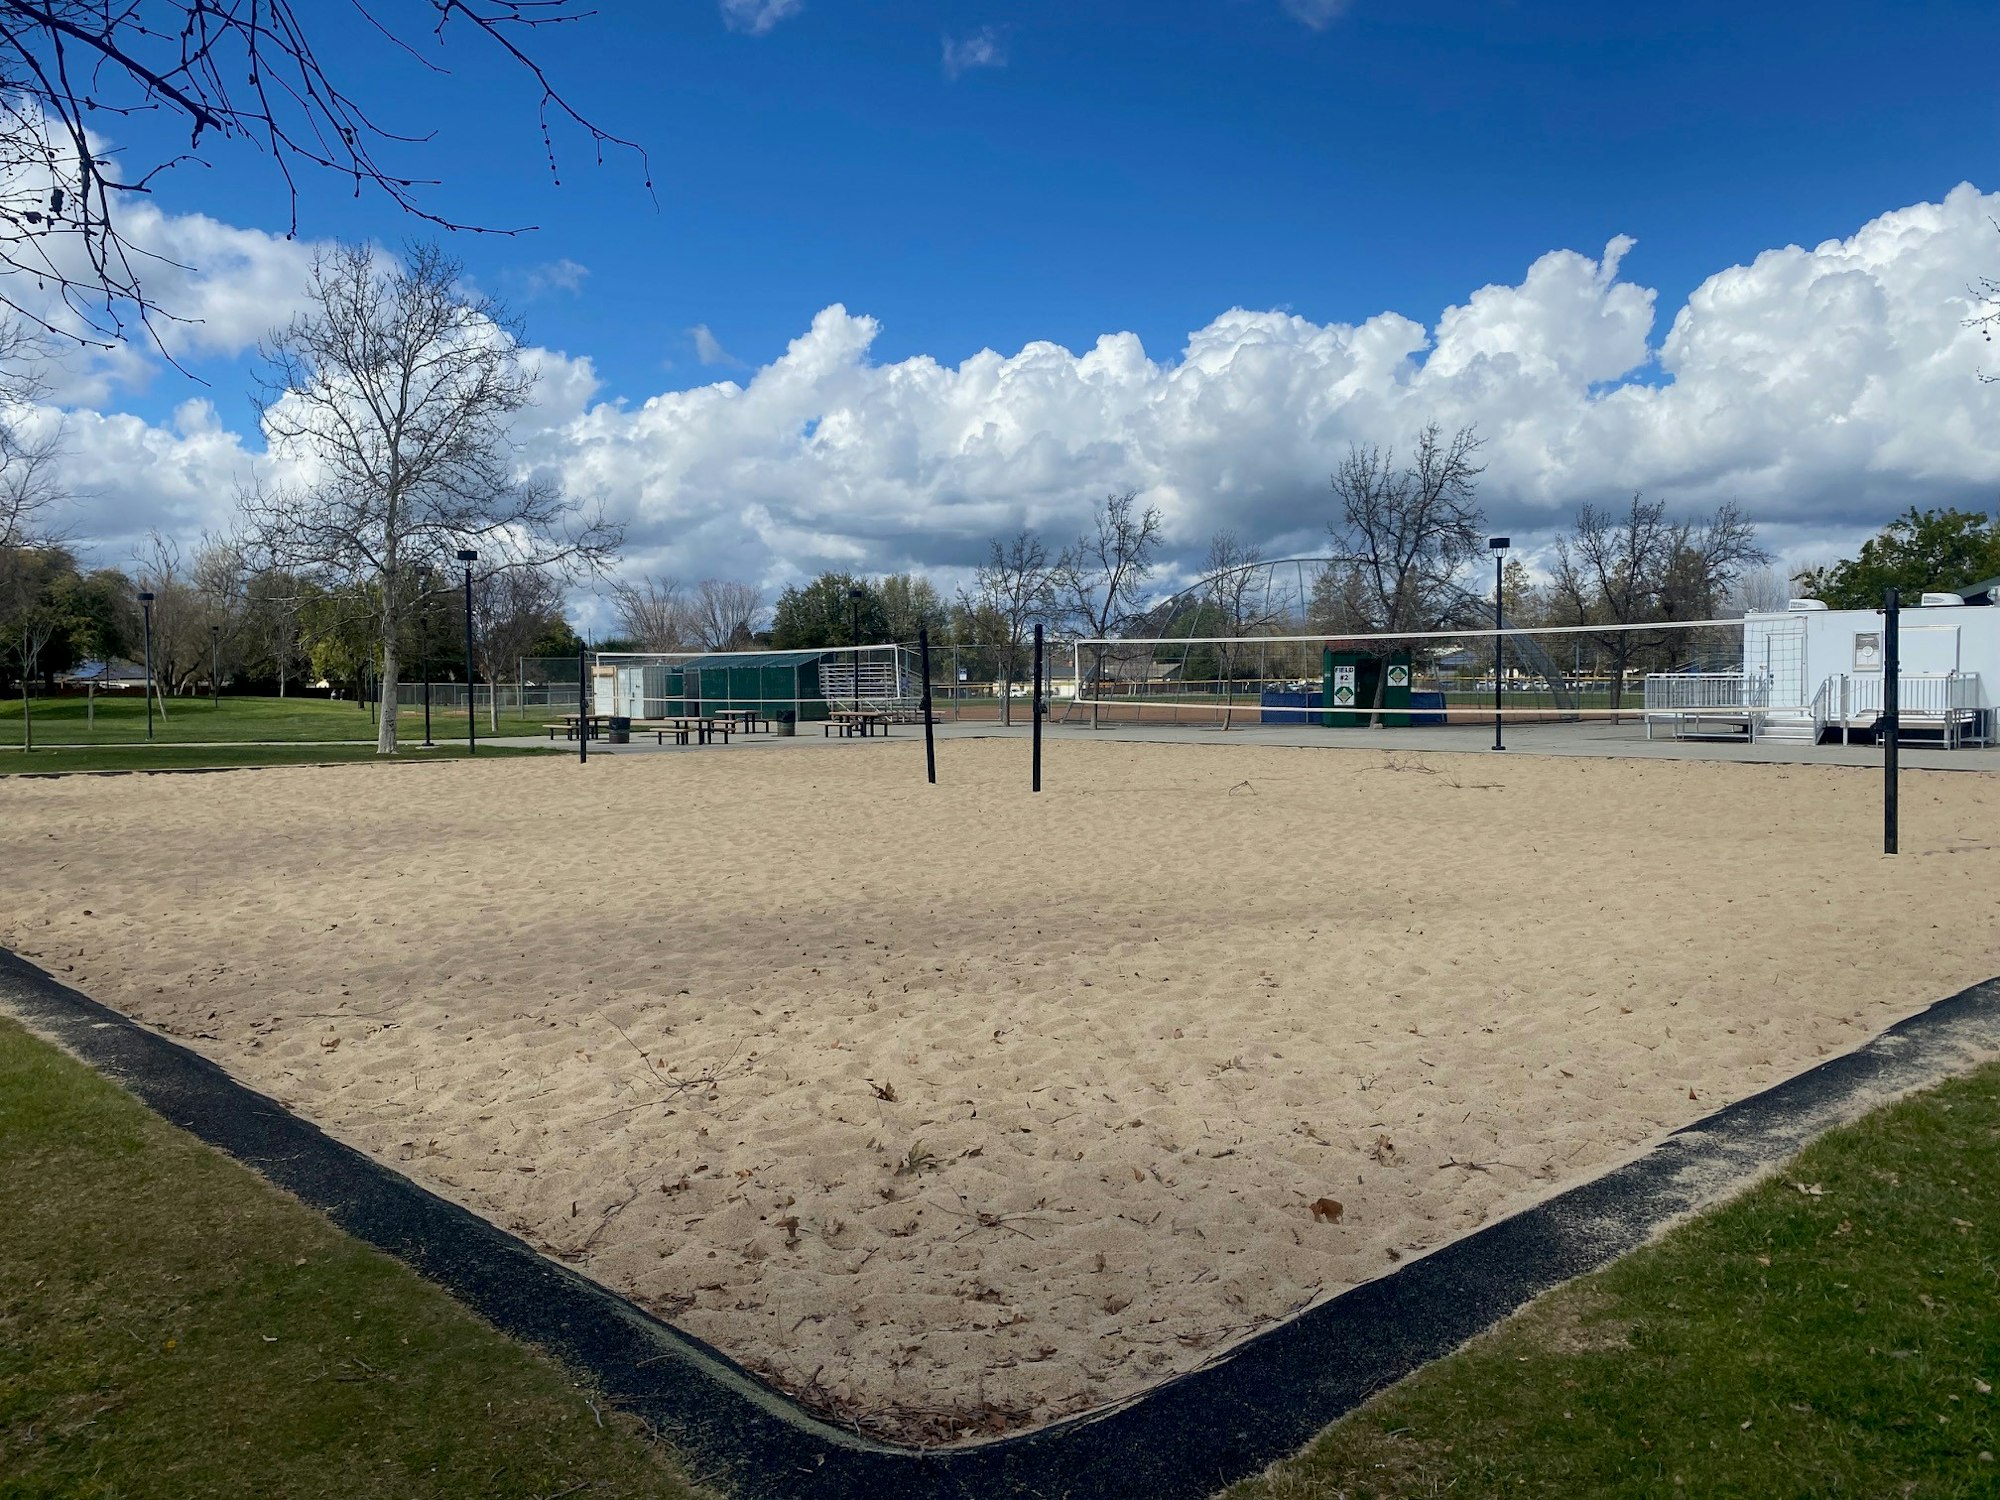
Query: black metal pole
x=214 y=664
x=1892 y=667
x=1499 y=651
x=1035 y=707
x=424 y=649
x=924 y=665
x=471 y=707
x=147 y=606
x=854 y=656
x=582 y=707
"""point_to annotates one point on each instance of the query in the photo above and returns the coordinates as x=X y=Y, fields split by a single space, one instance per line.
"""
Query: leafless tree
x=1764 y=590
x=653 y=613
x=1234 y=599
x=510 y=609
x=1639 y=567
x=1406 y=533
x=1100 y=579
x=391 y=398
x=30 y=442
x=1012 y=589
x=722 y=613
x=236 y=75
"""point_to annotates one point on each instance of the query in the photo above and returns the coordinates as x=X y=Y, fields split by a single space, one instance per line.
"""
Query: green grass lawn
x=224 y=757
x=1843 y=1339
x=172 y=1326
x=120 y=719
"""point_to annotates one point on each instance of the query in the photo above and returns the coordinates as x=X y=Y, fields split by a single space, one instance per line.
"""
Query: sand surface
x=953 y=1110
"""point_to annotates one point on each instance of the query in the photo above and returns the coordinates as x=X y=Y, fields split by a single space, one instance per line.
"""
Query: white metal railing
x=1948 y=701
x=1675 y=692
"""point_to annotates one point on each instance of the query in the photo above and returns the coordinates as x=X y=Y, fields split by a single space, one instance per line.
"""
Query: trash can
x=786 y=720
x=619 y=729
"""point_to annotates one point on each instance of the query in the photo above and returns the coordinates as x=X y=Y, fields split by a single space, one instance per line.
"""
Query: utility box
x=1352 y=681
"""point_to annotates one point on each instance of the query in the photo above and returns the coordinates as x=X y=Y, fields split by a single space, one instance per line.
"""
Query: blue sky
x=1418 y=206
x=1142 y=166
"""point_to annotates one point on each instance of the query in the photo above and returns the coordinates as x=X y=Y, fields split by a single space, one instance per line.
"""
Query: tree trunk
x=385 y=730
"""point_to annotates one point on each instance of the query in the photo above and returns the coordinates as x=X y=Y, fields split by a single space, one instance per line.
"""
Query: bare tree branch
x=233 y=73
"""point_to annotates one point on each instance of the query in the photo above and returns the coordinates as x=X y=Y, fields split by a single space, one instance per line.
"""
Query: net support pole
x=1892 y=665
x=582 y=708
x=924 y=666
x=1035 y=709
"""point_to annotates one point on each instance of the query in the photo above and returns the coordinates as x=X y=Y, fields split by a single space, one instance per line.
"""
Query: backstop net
x=1756 y=676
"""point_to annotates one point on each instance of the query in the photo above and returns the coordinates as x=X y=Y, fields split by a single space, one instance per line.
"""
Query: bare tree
x=510 y=609
x=1012 y=589
x=1100 y=579
x=1765 y=590
x=722 y=613
x=1233 y=568
x=391 y=397
x=30 y=442
x=1639 y=567
x=1406 y=533
x=240 y=74
x=653 y=613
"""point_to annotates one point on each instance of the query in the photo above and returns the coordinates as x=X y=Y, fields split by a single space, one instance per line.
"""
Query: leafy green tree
x=1921 y=549
x=820 y=614
x=911 y=603
x=559 y=638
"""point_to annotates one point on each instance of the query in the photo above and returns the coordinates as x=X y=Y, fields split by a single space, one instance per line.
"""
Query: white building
x=1819 y=670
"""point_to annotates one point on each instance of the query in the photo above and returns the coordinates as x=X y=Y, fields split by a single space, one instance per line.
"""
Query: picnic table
x=701 y=728
x=850 y=722
x=746 y=720
x=593 y=726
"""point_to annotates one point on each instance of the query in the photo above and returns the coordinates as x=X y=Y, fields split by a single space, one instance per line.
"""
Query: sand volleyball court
x=953 y=1110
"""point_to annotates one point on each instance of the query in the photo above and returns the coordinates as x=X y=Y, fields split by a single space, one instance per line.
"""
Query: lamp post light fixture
x=146 y=607
x=467 y=556
x=1498 y=546
x=854 y=597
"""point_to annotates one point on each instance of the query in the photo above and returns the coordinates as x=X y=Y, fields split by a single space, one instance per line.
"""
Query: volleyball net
x=1744 y=675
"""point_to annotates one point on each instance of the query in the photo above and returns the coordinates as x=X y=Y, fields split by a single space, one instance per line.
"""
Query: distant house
x=105 y=676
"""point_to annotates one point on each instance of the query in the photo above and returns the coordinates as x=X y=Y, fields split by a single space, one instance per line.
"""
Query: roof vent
x=1804 y=604
x=1935 y=601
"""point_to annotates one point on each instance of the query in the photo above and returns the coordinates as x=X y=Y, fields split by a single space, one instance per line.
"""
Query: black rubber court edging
x=1181 y=1440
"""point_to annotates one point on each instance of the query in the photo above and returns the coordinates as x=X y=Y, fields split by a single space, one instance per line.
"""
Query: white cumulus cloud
x=1823 y=388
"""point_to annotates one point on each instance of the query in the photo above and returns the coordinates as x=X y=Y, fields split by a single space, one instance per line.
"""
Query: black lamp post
x=1498 y=546
x=468 y=557
x=854 y=603
x=214 y=663
x=424 y=648
x=146 y=607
